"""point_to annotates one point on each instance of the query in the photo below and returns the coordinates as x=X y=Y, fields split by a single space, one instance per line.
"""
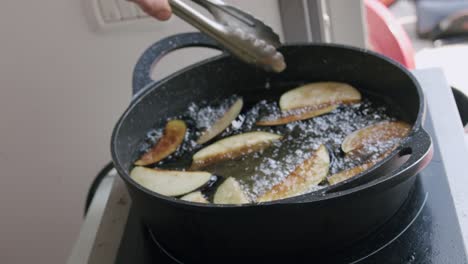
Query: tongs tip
x=276 y=63
x=279 y=65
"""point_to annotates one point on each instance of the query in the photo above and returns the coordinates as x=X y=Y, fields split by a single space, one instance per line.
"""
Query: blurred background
x=65 y=78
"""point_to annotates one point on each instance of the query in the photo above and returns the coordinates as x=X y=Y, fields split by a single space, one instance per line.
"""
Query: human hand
x=159 y=9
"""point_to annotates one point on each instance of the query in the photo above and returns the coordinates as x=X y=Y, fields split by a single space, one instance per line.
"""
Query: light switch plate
x=109 y=11
x=128 y=10
x=116 y=11
x=114 y=16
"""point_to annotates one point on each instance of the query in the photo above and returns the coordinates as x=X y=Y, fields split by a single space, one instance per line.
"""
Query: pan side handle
x=152 y=55
x=420 y=149
x=417 y=148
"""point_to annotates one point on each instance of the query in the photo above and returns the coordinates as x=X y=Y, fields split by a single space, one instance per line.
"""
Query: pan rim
x=148 y=89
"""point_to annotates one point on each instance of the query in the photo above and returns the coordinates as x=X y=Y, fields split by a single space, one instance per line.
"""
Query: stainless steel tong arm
x=195 y=18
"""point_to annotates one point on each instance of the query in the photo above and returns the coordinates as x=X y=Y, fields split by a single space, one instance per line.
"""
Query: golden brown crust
x=298 y=114
x=379 y=132
x=311 y=172
x=317 y=93
x=349 y=173
x=174 y=134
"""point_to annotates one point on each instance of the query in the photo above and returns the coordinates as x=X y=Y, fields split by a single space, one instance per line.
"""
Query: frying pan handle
x=151 y=56
x=419 y=147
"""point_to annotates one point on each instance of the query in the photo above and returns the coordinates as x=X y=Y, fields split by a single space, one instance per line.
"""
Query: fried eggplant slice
x=306 y=175
x=174 y=134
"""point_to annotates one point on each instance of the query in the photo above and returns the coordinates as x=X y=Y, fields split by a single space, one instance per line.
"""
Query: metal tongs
x=242 y=34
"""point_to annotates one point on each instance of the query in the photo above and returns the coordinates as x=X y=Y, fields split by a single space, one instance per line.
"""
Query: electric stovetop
x=430 y=226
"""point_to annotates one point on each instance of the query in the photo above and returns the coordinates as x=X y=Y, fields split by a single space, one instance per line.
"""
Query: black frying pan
x=288 y=229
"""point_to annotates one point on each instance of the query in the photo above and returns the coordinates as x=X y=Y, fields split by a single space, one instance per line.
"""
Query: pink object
x=386 y=35
x=387 y=2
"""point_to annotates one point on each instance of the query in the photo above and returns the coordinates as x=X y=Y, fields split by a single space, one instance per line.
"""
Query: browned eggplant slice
x=346 y=174
x=230 y=192
x=170 y=183
x=296 y=115
x=311 y=172
x=374 y=134
x=221 y=124
x=318 y=94
x=233 y=147
x=174 y=134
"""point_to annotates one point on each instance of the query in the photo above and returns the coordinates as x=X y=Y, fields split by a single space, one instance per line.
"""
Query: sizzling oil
x=258 y=172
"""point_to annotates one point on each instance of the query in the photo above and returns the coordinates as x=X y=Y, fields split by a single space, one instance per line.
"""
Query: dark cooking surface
x=425 y=230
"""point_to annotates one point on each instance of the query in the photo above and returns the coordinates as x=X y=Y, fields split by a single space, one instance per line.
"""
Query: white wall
x=62 y=87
